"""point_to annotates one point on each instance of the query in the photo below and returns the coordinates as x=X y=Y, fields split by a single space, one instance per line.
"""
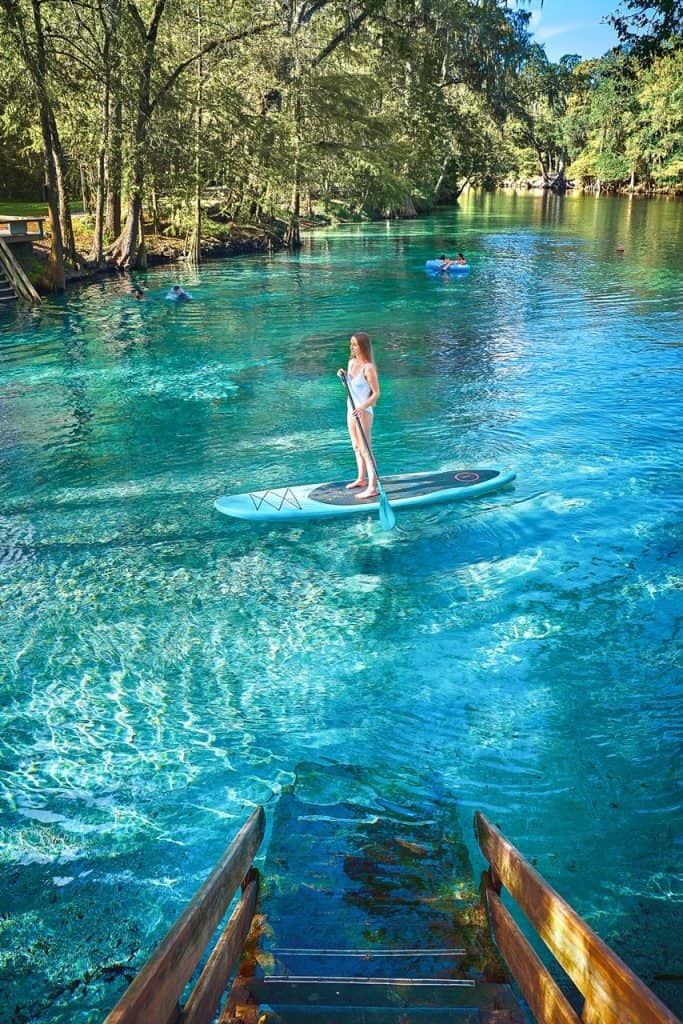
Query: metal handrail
x=153 y=995
x=612 y=993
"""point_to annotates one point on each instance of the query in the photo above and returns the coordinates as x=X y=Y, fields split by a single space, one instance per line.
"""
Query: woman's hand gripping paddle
x=386 y=512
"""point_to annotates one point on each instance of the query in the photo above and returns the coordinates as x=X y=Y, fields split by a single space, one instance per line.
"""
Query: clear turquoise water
x=164 y=668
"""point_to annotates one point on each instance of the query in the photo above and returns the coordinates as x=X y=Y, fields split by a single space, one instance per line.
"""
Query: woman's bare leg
x=358 y=451
x=366 y=419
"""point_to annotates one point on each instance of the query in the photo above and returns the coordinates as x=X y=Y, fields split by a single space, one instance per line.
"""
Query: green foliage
x=626 y=119
x=647 y=26
x=365 y=106
x=20 y=163
x=33 y=269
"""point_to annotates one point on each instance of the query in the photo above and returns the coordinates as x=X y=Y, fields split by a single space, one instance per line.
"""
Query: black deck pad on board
x=404 y=485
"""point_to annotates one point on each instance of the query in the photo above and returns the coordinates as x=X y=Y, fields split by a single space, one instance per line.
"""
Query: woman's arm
x=373 y=380
x=372 y=377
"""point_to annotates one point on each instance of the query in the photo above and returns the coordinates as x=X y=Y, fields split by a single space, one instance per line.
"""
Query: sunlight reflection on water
x=164 y=669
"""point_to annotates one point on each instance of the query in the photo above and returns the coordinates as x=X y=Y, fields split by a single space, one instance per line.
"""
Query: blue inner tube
x=454 y=268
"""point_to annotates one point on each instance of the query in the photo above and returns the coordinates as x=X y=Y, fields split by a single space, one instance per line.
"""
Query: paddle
x=386 y=512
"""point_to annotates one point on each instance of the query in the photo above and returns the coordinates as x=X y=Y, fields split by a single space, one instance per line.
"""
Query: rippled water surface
x=164 y=668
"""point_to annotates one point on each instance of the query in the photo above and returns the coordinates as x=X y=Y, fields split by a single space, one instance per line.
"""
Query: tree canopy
x=253 y=111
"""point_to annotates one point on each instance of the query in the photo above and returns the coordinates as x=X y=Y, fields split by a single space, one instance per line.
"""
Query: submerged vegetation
x=199 y=120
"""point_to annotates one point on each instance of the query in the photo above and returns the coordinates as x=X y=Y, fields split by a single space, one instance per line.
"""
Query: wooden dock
x=17 y=235
x=15 y=230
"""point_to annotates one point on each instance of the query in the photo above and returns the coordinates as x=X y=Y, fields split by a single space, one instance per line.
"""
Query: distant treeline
x=370 y=107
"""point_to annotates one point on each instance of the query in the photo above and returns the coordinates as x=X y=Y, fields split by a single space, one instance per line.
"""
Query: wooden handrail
x=613 y=994
x=206 y=995
x=8 y=219
x=15 y=225
x=16 y=275
x=153 y=995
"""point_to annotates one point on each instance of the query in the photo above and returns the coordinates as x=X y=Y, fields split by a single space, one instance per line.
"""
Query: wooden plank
x=206 y=995
x=241 y=1005
x=154 y=994
x=611 y=989
x=9 y=220
x=15 y=274
x=548 y=1004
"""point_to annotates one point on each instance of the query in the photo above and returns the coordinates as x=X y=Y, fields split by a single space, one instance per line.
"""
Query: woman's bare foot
x=369 y=493
x=355 y=483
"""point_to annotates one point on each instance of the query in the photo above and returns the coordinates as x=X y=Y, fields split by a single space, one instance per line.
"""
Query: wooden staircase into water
x=384 y=928
x=7 y=293
x=384 y=922
x=14 y=282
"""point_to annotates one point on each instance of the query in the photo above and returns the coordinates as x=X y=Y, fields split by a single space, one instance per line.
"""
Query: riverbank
x=160 y=249
x=220 y=241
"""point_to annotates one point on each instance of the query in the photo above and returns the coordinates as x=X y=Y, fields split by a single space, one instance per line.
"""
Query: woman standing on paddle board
x=363 y=384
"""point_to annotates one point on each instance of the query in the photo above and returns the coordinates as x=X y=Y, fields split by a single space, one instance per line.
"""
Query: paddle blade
x=386 y=512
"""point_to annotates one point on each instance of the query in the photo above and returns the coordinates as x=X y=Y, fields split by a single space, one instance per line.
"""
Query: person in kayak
x=363 y=381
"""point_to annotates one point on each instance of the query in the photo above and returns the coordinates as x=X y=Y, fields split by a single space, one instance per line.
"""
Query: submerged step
x=380 y=1015
x=355 y=863
x=369 y=962
x=394 y=993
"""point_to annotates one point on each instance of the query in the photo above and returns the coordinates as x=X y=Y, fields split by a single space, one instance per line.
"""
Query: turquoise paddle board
x=319 y=501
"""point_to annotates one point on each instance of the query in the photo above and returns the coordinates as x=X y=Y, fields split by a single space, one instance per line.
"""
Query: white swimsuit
x=360 y=389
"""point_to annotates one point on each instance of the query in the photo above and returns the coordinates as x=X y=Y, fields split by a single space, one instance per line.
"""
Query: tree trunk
x=33 y=55
x=126 y=247
x=542 y=162
x=97 y=251
x=293 y=232
x=442 y=178
x=129 y=248
x=141 y=261
x=68 y=240
x=86 y=195
x=96 y=254
x=559 y=182
x=55 y=275
x=156 y=220
x=109 y=171
x=113 y=172
x=459 y=191
x=195 y=252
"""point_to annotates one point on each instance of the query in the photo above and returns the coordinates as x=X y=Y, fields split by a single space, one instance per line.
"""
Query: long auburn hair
x=365 y=345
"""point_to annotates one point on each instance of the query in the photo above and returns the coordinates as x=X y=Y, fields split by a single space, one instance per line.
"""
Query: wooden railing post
x=152 y=998
x=612 y=992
